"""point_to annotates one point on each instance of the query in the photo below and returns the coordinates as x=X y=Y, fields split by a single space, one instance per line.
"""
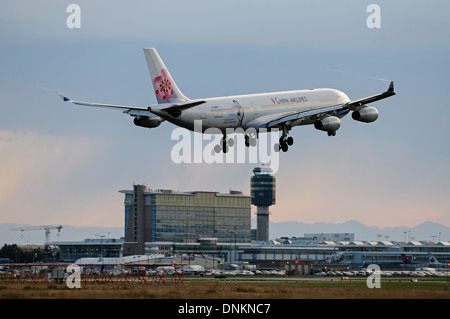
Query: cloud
x=44 y=178
x=334 y=24
x=377 y=183
x=395 y=173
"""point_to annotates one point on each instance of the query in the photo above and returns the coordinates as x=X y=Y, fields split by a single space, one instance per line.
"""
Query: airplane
x=252 y=113
x=405 y=260
x=434 y=262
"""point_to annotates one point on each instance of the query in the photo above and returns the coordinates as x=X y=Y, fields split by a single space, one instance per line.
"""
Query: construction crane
x=45 y=227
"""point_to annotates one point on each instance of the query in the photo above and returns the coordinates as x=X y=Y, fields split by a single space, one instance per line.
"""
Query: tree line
x=16 y=254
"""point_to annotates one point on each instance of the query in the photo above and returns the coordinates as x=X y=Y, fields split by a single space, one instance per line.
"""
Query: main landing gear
x=225 y=144
x=284 y=142
x=251 y=139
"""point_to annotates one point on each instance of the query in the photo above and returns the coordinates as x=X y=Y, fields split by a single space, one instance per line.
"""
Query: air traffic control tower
x=263 y=196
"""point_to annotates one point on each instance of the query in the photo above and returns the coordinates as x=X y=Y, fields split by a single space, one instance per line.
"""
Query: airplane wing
x=66 y=99
x=175 y=109
x=288 y=118
x=137 y=110
x=354 y=105
x=183 y=106
x=309 y=116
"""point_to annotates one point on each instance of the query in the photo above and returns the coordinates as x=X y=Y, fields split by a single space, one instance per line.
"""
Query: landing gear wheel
x=277 y=147
x=225 y=144
x=332 y=133
x=285 y=142
x=290 y=140
x=250 y=141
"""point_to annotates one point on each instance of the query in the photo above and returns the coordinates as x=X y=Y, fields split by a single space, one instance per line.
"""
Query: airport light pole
x=101 y=246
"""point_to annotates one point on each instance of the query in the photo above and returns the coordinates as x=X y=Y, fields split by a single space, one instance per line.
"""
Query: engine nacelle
x=366 y=114
x=145 y=121
x=328 y=124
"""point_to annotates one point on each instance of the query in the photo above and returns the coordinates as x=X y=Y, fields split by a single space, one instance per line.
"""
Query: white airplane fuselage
x=248 y=111
x=262 y=112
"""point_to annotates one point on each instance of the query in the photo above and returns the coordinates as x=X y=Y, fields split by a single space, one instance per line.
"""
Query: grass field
x=193 y=288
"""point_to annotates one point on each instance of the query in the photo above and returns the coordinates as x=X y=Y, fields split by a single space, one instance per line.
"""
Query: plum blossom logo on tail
x=163 y=86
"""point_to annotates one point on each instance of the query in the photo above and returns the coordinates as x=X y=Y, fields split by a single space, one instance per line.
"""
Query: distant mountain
x=427 y=231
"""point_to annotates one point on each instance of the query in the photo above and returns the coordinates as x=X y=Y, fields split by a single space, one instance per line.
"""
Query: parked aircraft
x=433 y=262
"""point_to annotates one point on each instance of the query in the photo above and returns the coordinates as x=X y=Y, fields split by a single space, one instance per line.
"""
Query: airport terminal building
x=217 y=226
x=165 y=218
x=347 y=254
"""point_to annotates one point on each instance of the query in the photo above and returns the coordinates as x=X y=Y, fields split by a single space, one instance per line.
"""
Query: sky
x=65 y=164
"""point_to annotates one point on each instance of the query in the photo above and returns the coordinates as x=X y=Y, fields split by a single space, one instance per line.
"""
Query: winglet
x=64 y=98
x=391 y=87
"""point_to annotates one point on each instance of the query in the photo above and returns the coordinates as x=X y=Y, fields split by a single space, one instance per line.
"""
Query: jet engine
x=366 y=114
x=328 y=124
x=145 y=121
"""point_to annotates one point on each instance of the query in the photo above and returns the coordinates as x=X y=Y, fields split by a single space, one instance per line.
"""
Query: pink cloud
x=37 y=181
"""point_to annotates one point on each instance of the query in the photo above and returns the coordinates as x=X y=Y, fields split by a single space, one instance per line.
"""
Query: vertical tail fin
x=405 y=259
x=432 y=260
x=166 y=90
